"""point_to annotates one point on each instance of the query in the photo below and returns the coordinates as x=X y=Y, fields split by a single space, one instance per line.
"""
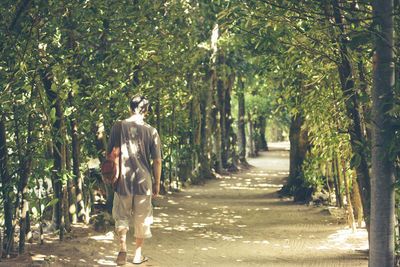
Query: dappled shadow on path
x=235 y=220
x=240 y=220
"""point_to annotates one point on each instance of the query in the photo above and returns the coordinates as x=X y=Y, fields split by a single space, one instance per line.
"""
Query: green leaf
x=51 y=203
x=53 y=87
x=53 y=114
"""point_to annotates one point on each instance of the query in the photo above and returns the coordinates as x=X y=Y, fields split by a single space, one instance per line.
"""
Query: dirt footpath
x=235 y=220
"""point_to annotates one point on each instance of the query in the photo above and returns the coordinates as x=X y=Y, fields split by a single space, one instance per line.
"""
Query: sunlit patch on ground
x=106 y=238
x=41 y=257
x=345 y=240
x=110 y=262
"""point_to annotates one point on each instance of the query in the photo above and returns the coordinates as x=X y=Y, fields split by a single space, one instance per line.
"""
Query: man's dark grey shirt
x=139 y=142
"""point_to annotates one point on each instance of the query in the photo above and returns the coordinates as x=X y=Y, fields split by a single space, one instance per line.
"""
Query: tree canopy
x=222 y=78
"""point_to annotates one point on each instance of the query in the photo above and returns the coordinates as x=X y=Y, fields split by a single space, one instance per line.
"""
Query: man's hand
x=156 y=189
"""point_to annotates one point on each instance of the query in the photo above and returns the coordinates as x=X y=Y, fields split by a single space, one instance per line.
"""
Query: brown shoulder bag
x=110 y=168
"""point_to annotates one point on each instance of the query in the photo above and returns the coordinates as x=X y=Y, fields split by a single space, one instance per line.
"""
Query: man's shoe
x=143 y=260
x=121 y=259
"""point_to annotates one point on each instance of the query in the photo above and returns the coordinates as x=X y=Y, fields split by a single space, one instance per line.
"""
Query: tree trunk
x=327 y=174
x=336 y=177
x=241 y=123
x=352 y=110
x=59 y=153
x=221 y=95
x=29 y=235
x=101 y=145
x=59 y=165
x=382 y=194
x=158 y=114
x=299 y=145
x=224 y=90
x=6 y=188
x=67 y=222
x=205 y=133
x=76 y=170
x=40 y=211
x=159 y=129
x=71 y=197
x=357 y=201
x=217 y=140
x=206 y=120
x=349 y=205
x=216 y=111
x=25 y=172
x=250 y=137
x=231 y=138
x=196 y=126
x=366 y=110
x=261 y=140
x=87 y=197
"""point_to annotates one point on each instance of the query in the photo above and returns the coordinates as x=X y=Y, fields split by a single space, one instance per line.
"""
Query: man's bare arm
x=157 y=165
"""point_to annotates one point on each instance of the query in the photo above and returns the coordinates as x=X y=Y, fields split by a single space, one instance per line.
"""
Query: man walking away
x=132 y=201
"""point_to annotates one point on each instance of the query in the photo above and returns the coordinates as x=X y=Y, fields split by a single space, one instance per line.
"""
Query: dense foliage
x=214 y=71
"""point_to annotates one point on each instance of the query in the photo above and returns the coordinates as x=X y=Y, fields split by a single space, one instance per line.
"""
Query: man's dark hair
x=139 y=104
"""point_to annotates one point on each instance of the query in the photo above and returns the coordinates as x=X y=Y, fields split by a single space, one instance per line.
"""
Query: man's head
x=139 y=105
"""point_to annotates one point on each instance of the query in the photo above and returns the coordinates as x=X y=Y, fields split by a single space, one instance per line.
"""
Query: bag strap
x=118 y=128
